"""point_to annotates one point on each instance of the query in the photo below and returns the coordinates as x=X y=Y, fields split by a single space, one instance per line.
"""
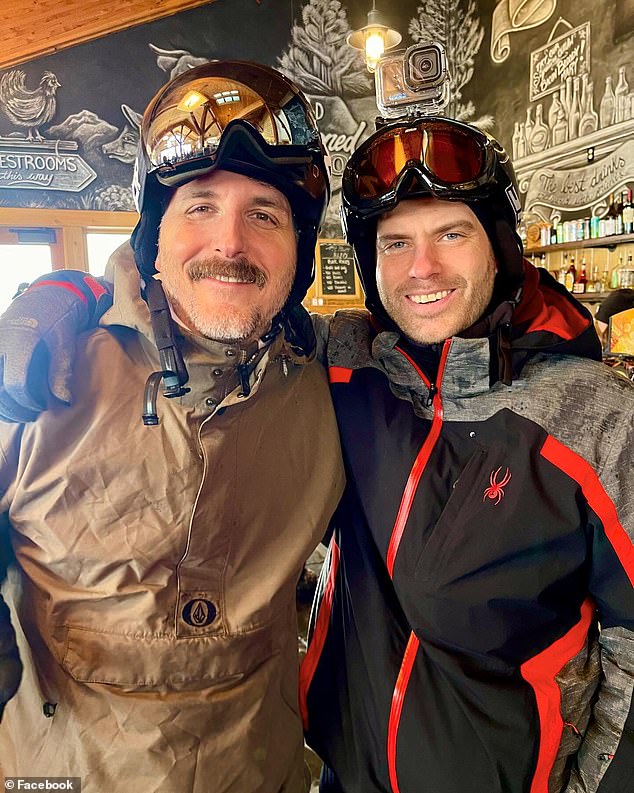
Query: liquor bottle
x=628 y=213
x=581 y=283
x=575 y=111
x=618 y=218
x=595 y=279
x=528 y=129
x=540 y=132
x=571 y=275
x=605 y=279
x=610 y=220
x=615 y=278
x=589 y=121
x=627 y=279
x=621 y=96
x=608 y=104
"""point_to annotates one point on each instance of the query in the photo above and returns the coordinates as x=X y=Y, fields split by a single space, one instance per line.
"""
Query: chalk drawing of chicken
x=26 y=108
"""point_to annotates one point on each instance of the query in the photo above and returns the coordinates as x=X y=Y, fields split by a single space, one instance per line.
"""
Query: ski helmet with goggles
x=235 y=116
x=437 y=157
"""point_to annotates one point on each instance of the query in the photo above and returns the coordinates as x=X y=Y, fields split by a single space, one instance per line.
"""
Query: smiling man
x=152 y=585
x=474 y=627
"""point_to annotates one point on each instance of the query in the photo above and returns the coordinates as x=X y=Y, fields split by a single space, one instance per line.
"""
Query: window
x=100 y=245
x=20 y=264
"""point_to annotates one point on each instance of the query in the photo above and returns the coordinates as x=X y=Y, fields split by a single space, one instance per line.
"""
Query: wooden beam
x=58 y=218
x=33 y=28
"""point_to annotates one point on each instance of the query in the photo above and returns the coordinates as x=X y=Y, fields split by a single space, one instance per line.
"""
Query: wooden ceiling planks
x=32 y=28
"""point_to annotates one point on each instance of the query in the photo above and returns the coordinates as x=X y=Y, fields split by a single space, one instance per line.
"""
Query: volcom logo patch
x=199 y=613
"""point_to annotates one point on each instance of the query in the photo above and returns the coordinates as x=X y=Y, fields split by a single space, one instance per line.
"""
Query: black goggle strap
x=173 y=371
x=243 y=143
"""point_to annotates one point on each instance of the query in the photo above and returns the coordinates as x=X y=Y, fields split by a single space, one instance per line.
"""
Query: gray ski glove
x=37 y=340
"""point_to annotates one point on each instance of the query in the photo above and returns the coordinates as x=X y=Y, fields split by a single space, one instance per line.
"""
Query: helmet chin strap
x=173 y=372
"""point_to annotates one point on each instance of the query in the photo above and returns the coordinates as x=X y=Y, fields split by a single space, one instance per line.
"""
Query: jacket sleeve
x=321 y=325
x=605 y=761
x=37 y=340
x=10 y=665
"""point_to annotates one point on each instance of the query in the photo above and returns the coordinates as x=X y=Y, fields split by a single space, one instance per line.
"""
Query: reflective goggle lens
x=188 y=119
x=447 y=154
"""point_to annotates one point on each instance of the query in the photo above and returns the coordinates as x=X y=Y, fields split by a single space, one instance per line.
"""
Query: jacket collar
x=130 y=310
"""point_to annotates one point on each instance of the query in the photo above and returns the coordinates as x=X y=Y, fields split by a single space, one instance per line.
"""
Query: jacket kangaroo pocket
x=164 y=663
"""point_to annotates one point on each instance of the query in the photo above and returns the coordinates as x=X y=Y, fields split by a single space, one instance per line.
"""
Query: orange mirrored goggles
x=448 y=156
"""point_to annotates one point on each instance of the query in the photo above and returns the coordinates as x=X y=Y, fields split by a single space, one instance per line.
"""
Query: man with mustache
x=474 y=626
x=156 y=546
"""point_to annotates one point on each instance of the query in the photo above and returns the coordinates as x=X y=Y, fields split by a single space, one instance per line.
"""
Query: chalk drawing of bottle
x=521 y=143
x=560 y=130
x=589 y=120
x=575 y=112
x=540 y=133
x=621 y=97
x=528 y=128
x=607 y=108
x=515 y=139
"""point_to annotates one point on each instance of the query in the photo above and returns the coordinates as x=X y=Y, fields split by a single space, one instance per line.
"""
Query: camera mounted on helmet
x=418 y=152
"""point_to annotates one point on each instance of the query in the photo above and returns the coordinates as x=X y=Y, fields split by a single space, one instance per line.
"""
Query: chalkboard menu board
x=337 y=276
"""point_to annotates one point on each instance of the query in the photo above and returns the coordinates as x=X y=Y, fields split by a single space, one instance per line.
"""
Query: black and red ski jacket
x=473 y=630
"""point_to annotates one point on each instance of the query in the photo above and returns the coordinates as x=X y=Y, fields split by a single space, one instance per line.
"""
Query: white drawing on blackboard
x=175 y=62
x=461 y=32
x=124 y=147
x=572 y=149
x=318 y=58
x=512 y=17
x=25 y=107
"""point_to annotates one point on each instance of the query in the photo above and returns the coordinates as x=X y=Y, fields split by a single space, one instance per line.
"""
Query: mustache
x=240 y=268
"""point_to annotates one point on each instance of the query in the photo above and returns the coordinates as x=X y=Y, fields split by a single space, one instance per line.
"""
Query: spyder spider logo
x=496 y=490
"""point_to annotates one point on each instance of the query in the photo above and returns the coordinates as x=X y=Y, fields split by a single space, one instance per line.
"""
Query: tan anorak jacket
x=154 y=587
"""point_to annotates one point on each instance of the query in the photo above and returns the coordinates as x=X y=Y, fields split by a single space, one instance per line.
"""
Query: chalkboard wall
x=550 y=78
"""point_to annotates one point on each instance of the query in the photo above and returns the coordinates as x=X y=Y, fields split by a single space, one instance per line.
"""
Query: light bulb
x=191 y=101
x=374 y=48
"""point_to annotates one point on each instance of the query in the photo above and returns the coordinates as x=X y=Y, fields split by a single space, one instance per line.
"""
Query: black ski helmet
x=439 y=157
x=236 y=116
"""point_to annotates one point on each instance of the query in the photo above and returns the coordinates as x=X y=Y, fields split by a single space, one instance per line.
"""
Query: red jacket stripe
x=540 y=672
x=339 y=374
x=311 y=659
x=419 y=463
x=63 y=285
x=95 y=287
x=583 y=473
x=396 y=709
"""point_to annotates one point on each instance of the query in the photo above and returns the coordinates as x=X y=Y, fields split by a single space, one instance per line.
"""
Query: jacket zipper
x=243 y=374
x=400 y=688
x=423 y=455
